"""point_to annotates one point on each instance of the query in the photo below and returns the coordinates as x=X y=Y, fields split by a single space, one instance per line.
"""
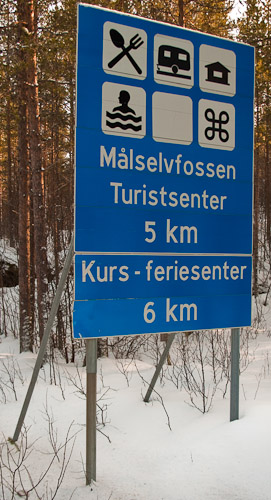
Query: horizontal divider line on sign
x=168 y=254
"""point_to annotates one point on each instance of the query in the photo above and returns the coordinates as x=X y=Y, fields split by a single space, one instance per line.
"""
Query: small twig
x=159 y=396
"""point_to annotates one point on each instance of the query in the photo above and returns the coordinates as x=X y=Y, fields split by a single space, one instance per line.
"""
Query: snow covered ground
x=162 y=450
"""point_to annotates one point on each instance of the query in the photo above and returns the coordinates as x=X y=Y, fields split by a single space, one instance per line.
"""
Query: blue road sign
x=164 y=167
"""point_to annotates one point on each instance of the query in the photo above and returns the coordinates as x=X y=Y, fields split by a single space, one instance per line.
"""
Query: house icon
x=217 y=73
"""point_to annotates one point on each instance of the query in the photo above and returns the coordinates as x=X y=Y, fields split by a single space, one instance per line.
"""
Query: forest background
x=37 y=120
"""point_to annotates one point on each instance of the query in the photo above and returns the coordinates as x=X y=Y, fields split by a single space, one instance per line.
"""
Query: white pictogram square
x=123 y=110
x=216 y=125
x=172 y=119
x=173 y=61
x=217 y=70
x=124 y=51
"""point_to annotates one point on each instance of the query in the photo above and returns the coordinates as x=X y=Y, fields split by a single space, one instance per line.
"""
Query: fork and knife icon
x=118 y=40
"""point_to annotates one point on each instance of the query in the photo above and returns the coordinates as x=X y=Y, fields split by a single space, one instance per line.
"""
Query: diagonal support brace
x=159 y=367
x=44 y=340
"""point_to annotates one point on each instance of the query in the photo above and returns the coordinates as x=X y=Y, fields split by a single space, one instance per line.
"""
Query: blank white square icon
x=172 y=118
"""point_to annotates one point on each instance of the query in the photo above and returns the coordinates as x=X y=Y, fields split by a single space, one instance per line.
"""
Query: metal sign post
x=91 y=367
x=235 y=370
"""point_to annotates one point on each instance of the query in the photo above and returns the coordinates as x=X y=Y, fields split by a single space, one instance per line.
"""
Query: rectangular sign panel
x=164 y=143
x=104 y=318
x=160 y=293
x=128 y=276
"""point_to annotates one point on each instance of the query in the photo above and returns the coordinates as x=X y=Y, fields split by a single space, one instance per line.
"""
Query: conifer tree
x=254 y=28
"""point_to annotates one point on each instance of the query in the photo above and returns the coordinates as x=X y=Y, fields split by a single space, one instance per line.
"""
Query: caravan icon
x=174 y=58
